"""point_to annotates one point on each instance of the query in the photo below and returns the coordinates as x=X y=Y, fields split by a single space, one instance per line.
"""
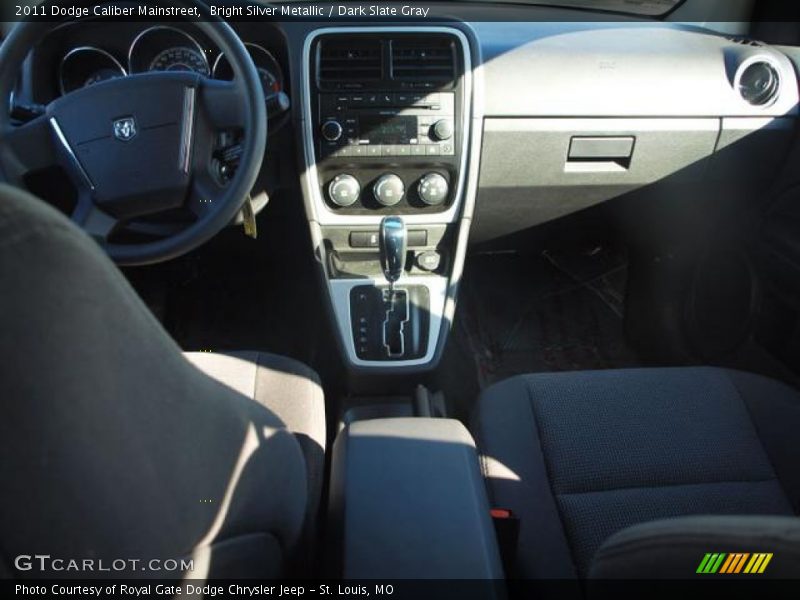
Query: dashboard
x=470 y=131
x=555 y=99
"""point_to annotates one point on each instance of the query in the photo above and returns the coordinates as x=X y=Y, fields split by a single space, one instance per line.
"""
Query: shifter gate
x=396 y=304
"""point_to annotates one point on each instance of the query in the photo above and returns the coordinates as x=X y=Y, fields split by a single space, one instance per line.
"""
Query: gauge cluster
x=167 y=49
x=269 y=71
x=87 y=65
x=162 y=48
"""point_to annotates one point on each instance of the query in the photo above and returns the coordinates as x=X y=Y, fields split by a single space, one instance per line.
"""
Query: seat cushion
x=290 y=390
x=580 y=456
x=677 y=548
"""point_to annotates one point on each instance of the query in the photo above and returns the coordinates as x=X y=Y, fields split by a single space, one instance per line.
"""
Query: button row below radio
x=351 y=150
x=415 y=238
x=338 y=102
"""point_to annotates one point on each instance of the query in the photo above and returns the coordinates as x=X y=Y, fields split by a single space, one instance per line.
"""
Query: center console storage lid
x=408 y=502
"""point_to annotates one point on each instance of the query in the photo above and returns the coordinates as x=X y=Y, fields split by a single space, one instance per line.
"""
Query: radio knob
x=331 y=130
x=344 y=190
x=389 y=189
x=432 y=189
x=443 y=129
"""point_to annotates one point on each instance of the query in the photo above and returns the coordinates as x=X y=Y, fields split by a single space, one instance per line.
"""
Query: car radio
x=388 y=124
x=385 y=124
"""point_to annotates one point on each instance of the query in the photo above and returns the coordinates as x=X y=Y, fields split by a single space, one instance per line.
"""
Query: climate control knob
x=432 y=189
x=344 y=190
x=389 y=189
x=331 y=130
x=442 y=129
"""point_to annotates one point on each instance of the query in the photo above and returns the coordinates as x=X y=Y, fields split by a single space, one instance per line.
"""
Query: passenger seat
x=639 y=473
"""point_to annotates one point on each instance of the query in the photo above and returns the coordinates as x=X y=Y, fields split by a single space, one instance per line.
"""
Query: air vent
x=758 y=82
x=344 y=60
x=741 y=41
x=423 y=59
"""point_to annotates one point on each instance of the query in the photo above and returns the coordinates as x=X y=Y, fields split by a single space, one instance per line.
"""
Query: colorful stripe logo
x=734 y=564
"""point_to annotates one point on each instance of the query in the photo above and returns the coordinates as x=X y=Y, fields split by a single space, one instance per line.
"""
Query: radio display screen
x=387 y=130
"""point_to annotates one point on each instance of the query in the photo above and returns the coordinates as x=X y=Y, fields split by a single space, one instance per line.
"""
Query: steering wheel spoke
x=27 y=148
x=202 y=193
x=222 y=104
x=94 y=221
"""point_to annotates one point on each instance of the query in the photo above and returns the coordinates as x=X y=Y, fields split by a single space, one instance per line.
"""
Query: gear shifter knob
x=393 y=246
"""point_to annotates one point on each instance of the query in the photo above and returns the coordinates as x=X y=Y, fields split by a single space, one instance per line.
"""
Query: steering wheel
x=141 y=145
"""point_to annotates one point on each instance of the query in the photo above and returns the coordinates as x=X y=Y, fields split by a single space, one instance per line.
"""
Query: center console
x=386 y=124
x=408 y=501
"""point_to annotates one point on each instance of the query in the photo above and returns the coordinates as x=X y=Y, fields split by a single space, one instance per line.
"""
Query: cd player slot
x=332 y=105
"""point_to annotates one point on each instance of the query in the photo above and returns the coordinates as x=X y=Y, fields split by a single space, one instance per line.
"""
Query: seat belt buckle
x=506 y=527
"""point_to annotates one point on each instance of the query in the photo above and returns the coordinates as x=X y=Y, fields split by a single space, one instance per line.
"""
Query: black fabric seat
x=116 y=445
x=581 y=456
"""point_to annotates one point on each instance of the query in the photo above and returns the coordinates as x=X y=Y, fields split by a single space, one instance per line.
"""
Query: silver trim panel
x=325 y=215
x=442 y=290
x=257 y=48
x=340 y=296
x=749 y=62
x=187 y=129
x=149 y=30
x=70 y=153
x=79 y=49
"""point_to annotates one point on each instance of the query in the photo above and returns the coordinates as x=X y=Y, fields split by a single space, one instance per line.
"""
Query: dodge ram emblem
x=125 y=129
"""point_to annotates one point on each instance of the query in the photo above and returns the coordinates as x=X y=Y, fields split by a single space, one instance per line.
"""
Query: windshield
x=653 y=8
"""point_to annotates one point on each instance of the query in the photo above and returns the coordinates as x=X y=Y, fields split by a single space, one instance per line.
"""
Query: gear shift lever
x=393 y=244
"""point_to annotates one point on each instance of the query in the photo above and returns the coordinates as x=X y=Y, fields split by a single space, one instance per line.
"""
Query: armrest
x=408 y=501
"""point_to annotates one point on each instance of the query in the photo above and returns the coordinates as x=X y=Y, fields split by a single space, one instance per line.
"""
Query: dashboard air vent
x=423 y=59
x=742 y=41
x=758 y=82
x=343 y=60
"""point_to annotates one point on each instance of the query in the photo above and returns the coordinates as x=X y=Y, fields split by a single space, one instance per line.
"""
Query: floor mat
x=551 y=312
x=233 y=310
x=250 y=295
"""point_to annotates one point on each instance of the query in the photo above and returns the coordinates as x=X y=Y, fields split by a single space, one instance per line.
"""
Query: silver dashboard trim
x=79 y=49
x=340 y=296
x=149 y=30
x=71 y=153
x=749 y=62
x=255 y=47
x=322 y=213
x=442 y=290
x=187 y=129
